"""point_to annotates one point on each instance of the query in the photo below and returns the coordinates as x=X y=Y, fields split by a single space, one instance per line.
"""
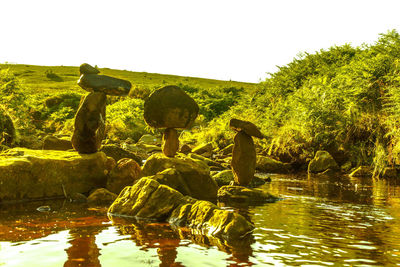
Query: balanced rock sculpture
x=89 y=127
x=244 y=152
x=170 y=108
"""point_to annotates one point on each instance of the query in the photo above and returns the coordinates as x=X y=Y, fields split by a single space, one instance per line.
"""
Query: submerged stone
x=244 y=195
x=105 y=84
x=89 y=126
x=36 y=174
x=170 y=107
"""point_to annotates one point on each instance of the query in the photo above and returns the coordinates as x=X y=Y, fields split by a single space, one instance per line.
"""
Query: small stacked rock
x=89 y=127
x=244 y=152
x=170 y=107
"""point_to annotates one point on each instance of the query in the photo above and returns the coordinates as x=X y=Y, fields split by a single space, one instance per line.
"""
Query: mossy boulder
x=149 y=139
x=204 y=149
x=127 y=172
x=101 y=196
x=224 y=177
x=242 y=195
x=193 y=174
x=321 y=162
x=36 y=174
x=270 y=165
x=148 y=199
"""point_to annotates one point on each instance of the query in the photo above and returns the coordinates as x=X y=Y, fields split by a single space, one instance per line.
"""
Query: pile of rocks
x=170 y=108
x=89 y=127
x=244 y=152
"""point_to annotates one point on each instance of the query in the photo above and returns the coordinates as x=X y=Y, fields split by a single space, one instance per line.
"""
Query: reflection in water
x=321 y=221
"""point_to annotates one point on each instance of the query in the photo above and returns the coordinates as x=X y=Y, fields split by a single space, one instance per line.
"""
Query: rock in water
x=243 y=158
x=321 y=162
x=170 y=144
x=90 y=123
x=105 y=84
x=246 y=126
x=170 y=107
x=148 y=199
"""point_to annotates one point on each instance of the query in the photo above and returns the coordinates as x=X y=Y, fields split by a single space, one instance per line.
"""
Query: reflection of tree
x=83 y=250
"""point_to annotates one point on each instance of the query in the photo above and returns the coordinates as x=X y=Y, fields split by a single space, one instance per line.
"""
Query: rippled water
x=320 y=222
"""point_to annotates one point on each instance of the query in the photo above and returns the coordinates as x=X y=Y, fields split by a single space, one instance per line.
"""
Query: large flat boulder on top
x=36 y=174
x=105 y=84
x=194 y=175
x=170 y=107
x=246 y=126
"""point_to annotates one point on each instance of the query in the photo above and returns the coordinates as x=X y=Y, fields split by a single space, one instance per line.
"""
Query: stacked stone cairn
x=171 y=108
x=244 y=152
x=89 y=127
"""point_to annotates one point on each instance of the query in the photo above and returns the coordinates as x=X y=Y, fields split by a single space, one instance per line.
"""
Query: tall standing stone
x=244 y=152
x=89 y=124
x=243 y=159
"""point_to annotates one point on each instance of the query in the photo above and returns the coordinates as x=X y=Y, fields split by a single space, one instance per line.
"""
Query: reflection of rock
x=321 y=162
x=193 y=174
x=243 y=159
x=125 y=173
x=32 y=174
x=151 y=200
x=170 y=107
x=51 y=142
x=269 y=165
x=89 y=125
x=243 y=195
x=170 y=144
x=245 y=126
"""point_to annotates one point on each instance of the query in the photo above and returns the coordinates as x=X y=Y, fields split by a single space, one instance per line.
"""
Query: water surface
x=321 y=221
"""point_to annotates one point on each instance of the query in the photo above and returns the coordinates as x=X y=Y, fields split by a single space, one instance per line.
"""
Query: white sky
x=221 y=39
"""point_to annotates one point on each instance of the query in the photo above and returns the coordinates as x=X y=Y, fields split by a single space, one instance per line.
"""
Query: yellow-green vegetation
x=44 y=99
x=344 y=100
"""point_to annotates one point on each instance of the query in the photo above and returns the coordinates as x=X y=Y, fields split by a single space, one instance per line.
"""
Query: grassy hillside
x=44 y=99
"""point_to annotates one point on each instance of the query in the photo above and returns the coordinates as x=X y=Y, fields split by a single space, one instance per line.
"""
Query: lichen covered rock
x=321 y=162
x=170 y=107
x=35 y=174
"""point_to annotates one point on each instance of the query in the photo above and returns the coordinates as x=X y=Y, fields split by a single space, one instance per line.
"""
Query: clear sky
x=221 y=39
